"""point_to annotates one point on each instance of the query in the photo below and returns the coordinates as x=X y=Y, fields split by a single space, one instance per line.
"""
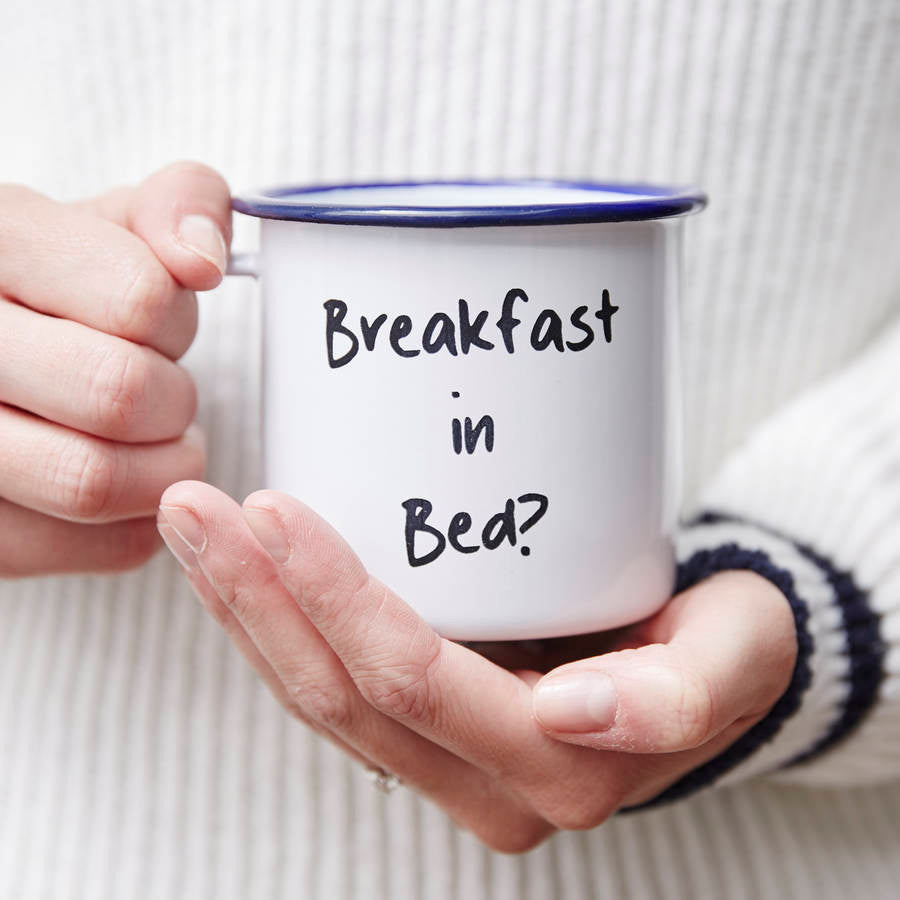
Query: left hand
x=512 y=756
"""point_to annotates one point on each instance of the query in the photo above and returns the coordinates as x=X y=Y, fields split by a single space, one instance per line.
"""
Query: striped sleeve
x=812 y=502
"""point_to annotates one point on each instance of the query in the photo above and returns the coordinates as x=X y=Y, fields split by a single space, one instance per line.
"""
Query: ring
x=381 y=780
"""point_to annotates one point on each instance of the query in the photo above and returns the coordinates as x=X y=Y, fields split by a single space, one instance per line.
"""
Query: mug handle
x=243 y=264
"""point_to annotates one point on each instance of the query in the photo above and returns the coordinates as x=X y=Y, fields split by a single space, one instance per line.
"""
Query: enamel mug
x=476 y=384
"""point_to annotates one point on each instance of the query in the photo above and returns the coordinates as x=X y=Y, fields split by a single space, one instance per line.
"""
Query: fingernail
x=201 y=235
x=269 y=532
x=186 y=525
x=180 y=550
x=576 y=703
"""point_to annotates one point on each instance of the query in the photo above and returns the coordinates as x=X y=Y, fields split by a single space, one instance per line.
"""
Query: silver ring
x=382 y=781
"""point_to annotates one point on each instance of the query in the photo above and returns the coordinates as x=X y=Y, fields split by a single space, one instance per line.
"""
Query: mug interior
x=453 y=204
x=449 y=196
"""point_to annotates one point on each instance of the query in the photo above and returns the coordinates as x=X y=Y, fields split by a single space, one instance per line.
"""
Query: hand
x=96 y=304
x=511 y=756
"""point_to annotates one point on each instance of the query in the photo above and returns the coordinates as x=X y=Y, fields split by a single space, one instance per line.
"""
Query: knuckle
x=239 y=599
x=404 y=689
x=144 y=307
x=581 y=815
x=118 y=390
x=331 y=709
x=571 y=804
x=87 y=479
x=244 y=596
x=330 y=597
x=513 y=834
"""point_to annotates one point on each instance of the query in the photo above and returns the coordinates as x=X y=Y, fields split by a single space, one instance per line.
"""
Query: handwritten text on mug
x=443 y=332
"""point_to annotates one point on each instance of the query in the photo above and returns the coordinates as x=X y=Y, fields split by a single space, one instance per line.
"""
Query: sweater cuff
x=840 y=656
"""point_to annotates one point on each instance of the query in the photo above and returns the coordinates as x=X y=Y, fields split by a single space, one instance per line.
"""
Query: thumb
x=183 y=212
x=722 y=651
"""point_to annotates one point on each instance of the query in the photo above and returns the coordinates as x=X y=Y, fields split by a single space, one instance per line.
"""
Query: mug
x=476 y=384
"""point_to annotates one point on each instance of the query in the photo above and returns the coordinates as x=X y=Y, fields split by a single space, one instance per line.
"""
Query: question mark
x=535 y=517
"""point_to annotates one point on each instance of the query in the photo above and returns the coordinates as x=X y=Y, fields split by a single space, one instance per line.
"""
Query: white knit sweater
x=139 y=756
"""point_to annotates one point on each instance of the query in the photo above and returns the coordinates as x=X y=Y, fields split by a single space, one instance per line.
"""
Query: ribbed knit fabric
x=139 y=756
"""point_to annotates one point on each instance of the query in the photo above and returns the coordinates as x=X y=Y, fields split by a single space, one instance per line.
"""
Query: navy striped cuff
x=864 y=648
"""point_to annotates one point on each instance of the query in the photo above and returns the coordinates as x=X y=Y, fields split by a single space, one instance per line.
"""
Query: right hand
x=96 y=305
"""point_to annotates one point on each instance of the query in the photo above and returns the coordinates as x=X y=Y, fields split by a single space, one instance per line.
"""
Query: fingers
x=184 y=213
x=721 y=652
x=193 y=252
x=75 y=476
x=35 y=544
x=60 y=260
x=358 y=662
x=214 y=605
x=93 y=382
x=214 y=540
x=439 y=689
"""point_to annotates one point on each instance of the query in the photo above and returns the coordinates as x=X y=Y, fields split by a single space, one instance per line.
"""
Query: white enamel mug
x=477 y=384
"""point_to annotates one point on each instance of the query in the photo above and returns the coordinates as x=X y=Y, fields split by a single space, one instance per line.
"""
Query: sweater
x=139 y=755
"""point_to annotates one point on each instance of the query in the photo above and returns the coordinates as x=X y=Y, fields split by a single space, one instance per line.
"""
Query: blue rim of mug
x=635 y=202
